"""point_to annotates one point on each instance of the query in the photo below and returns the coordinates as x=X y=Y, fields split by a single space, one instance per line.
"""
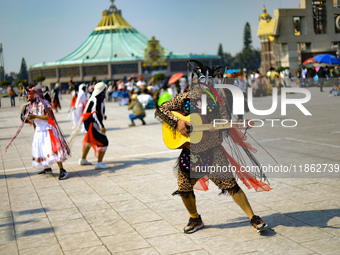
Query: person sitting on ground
x=335 y=91
x=138 y=111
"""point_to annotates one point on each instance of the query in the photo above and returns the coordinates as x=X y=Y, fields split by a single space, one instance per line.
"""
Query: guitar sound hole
x=190 y=129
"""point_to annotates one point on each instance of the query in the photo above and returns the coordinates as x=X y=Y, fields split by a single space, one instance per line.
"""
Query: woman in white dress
x=49 y=145
x=79 y=106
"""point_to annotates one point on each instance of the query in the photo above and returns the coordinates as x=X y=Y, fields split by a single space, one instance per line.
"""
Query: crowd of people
x=88 y=112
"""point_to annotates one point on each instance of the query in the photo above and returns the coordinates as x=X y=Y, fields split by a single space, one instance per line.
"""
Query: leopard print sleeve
x=175 y=104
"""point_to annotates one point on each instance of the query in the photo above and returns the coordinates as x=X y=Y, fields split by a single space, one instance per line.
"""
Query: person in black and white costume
x=93 y=117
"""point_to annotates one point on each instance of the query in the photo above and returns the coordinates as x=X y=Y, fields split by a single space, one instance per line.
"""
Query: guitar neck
x=205 y=127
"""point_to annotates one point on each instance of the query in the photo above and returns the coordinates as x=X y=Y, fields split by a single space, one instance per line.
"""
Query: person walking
x=12 y=94
x=322 y=77
x=79 y=106
x=55 y=97
x=48 y=145
x=93 y=117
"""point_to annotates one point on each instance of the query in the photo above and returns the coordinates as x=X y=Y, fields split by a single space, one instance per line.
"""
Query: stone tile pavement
x=128 y=209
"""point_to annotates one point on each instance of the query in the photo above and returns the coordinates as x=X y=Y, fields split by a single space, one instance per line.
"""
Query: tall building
x=293 y=35
x=113 y=50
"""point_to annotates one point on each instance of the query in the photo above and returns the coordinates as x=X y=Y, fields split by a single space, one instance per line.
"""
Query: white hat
x=81 y=86
x=98 y=88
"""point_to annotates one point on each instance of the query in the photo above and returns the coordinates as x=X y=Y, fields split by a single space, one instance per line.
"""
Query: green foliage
x=23 y=74
x=158 y=77
x=39 y=78
x=249 y=58
x=247 y=36
x=4 y=83
x=220 y=50
x=229 y=60
x=279 y=69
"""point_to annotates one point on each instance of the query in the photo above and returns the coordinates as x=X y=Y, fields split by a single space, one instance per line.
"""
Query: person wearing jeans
x=138 y=111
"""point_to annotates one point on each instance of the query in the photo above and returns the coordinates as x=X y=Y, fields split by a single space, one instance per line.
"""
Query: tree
x=247 y=36
x=39 y=78
x=158 y=77
x=23 y=74
x=4 y=83
x=229 y=60
x=220 y=50
x=249 y=58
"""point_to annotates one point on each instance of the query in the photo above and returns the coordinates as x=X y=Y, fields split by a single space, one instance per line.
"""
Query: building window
x=35 y=73
x=95 y=70
x=49 y=73
x=297 y=26
x=336 y=3
x=284 y=50
x=319 y=17
x=124 y=68
x=69 y=71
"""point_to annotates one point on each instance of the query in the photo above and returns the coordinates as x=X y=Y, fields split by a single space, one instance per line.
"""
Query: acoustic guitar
x=173 y=138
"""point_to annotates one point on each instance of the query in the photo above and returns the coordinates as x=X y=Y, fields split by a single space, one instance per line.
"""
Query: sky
x=43 y=31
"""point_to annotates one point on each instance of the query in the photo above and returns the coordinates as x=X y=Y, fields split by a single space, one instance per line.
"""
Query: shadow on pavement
x=316 y=218
x=117 y=165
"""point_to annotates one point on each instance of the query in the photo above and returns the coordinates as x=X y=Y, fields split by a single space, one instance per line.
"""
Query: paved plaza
x=129 y=209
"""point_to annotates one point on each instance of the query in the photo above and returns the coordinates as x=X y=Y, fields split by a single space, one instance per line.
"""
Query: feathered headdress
x=205 y=75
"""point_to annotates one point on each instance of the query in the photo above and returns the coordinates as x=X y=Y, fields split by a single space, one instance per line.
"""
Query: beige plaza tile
x=286 y=206
x=85 y=198
x=35 y=241
x=333 y=230
x=7 y=235
x=43 y=250
x=117 y=197
x=142 y=251
x=70 y=226
x=64 y=215
x=29 y=215
x=302 y=234
x=93 y=206
x=95 y=250
x=261 y=244
x=78 y=240
x=9 y=248
x=324 y=246
x=124 y=242
x=34 y=227
x=165 y=205
x=58 y=204
x=109 y=227
x=140 y=216
x=197 y=252
x=100 y=215
x=6 y=223
x=176 y=217
x=154 y=228
x=128 y=205
x=171 y=244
